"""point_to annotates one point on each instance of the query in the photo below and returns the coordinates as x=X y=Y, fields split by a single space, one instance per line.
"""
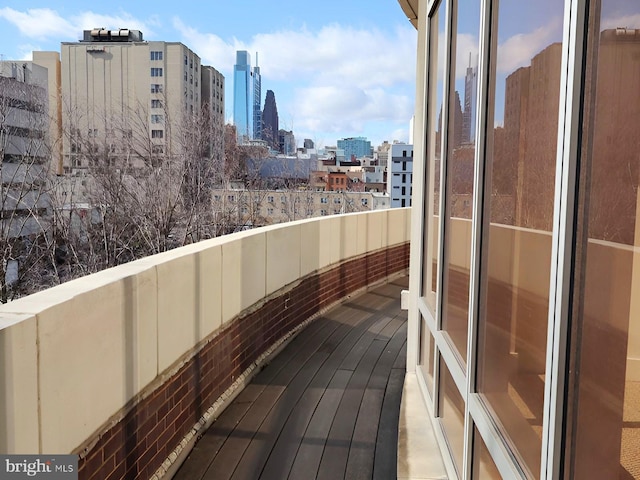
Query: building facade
x=356 y=147
x=400 y=175
x=270 y=122
x=213 y=108
x=257 y=99
x=24 y=152
x=243 y=96
x=524 y=331
x=117 y=90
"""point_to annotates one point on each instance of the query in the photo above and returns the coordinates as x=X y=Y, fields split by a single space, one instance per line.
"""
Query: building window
x=231 y=198
x=270 y=211
x=156 y=72
x=156 y=88
x=157 y=149
x=324 y=200
x=156 y=55
x=157 y=134
x=157 y=118
x=323 y=212
x=365 y=202
x=270 y=199
x=156 y=103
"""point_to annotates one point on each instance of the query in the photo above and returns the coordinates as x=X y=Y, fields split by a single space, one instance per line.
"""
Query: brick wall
x=136 y=446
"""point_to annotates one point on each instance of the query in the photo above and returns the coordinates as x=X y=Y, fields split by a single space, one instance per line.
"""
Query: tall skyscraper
x=243 y=96
x=469 y=113
x=257 y=98
x=270 y=124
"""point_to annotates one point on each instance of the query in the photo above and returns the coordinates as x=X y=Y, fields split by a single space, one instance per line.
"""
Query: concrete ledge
x=419 y=456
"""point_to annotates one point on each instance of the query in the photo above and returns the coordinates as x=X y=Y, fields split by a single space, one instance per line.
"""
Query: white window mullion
x=563 y=235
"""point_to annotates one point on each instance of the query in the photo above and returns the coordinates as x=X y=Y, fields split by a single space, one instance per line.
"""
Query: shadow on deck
x=326 y=407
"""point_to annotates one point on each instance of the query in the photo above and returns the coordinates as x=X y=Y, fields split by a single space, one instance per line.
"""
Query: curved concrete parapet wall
x=102 y=365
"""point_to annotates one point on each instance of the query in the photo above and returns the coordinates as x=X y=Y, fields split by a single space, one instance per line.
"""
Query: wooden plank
x=225 y=462
x=291 y=437
x=386 y=457
x=361 y=452
x=336 y=452
x=321 y=405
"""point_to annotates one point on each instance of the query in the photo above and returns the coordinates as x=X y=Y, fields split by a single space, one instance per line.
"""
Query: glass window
x=157 y=118
x=156 y=55
x=483 y=467
x=604 y=427
x=522 y=134
x=156 y=72
x=156 y=88
x=157 y=134
x=459 y=164
x=427 y=347
x=451 y=407
x=156 y=103
x=433 y=109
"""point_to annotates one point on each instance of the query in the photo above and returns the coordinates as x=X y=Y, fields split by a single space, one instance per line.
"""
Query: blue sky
x=337 y=68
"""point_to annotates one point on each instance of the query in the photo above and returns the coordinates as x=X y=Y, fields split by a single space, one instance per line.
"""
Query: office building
x=257 y=99
x=213 y=108
x=400 y=175
x=356 y=147
x=122 y=94
x=243 y=97
x=270 y=123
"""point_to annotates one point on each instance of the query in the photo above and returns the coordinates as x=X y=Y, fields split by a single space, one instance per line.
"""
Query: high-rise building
x=400 y=175
x=356 y=146
x=257 y=99
x=213 y=107
x=287 y=142
x=270 y=126
x=113 y=83
x=469 y=113
x=243 y=96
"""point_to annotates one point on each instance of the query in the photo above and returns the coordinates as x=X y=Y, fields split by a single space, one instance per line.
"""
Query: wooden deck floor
x=326 y=407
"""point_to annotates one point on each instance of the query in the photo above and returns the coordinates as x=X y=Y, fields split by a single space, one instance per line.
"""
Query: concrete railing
x=104 y=365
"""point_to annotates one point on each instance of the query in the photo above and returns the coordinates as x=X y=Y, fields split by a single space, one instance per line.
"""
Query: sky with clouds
x=338 y=69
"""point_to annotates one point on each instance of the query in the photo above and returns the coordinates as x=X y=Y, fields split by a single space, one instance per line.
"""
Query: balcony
x=128 y=367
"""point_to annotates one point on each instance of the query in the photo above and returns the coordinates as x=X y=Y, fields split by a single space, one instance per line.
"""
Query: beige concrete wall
x=72 y=356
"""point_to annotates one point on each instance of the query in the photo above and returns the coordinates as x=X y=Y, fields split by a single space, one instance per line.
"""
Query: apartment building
x=119 y=91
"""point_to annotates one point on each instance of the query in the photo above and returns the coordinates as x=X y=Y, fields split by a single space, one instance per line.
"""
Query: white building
x=400 y=174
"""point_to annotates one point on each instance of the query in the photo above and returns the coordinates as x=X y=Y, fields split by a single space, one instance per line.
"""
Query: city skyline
x=319 y=65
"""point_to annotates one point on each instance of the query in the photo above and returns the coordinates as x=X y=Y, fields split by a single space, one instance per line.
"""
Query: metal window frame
x=569 y=112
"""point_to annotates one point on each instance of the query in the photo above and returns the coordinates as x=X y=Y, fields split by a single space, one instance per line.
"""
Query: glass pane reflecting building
x=524 y=295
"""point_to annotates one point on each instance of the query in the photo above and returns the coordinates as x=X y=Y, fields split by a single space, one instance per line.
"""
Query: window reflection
x=434 y=121
x=522 y=144
x=483 y=467
x=604 y=430
x=459 y=163
x=427 y=347
x=451 y=407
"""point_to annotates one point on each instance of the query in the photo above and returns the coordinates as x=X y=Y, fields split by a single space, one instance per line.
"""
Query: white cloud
x=349 y=108
x=624 y=21
x=43 y=23
x=335 y=54
x=330 y=81
x=518 y=50
x=39 y=23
